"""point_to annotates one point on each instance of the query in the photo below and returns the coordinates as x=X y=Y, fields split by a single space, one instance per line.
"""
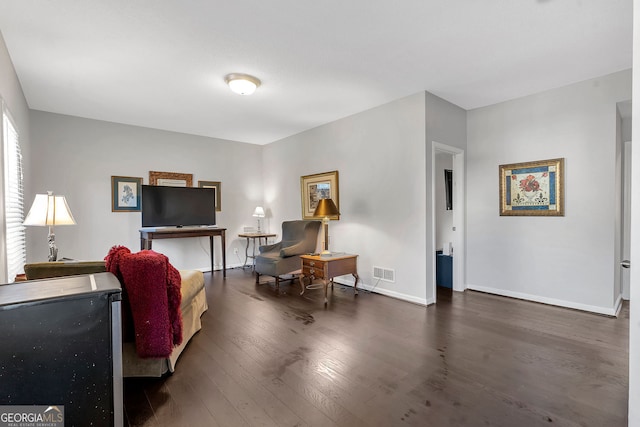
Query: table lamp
x=50 y=210
x=259 y=213
x=325 y=209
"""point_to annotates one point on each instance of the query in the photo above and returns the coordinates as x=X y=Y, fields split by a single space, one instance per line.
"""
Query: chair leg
x=257 y=278
x=278 y=283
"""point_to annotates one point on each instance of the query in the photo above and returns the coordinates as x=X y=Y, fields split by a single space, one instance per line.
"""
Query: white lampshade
x=48 y=209
x=242 y=84
x=259 y=212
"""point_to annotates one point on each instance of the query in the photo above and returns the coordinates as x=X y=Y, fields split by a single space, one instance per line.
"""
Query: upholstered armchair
x=298 y=238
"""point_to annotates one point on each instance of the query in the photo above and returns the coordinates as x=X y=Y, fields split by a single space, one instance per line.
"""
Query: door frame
x=459 y=243
x=626 y=219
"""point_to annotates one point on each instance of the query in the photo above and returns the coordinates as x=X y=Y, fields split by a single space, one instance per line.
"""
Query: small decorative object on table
x=259 y=213
x=326 y=209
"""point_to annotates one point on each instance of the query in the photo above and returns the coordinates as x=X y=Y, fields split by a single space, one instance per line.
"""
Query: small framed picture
x=217 y=186
x=125 y=193
x=316 y=187
x=171 y=179
x=532 y=188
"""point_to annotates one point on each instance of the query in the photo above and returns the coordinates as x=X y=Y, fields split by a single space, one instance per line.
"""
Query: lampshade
x=326 y=208
x=48 y=209
x=242 y=84
x=259 y=212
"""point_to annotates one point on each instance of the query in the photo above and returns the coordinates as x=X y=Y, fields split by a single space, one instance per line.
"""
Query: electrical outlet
x=235 y=251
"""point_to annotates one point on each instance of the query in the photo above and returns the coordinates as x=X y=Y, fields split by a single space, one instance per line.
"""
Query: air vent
x=386 y=274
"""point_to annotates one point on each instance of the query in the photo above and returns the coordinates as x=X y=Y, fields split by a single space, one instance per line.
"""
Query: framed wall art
x=216 y=185
x=171 y=179
x=125 y=193
x=316 y=187
x=532 y=188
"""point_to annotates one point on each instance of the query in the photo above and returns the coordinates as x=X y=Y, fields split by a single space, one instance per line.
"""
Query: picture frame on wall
x=125 y=193
x=217 y=186
x=532 y=188
x=171 y=179
x=319 y=186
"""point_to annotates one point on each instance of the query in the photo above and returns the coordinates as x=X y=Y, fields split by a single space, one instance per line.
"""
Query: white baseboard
x=386 y=292
x=217 y=267
x=609 y=311
x=618 y=305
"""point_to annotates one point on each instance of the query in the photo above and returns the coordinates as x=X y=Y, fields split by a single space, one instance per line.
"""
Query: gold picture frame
x=217 y=186
x=532 y=188
x=171 y=179
x=319 y=186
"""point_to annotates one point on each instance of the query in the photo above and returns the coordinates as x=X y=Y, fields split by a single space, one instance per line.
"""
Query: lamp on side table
x=50 y=210
x=326 y=209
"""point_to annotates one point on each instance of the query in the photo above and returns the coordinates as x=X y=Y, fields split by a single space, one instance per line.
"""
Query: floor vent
x=386 y=274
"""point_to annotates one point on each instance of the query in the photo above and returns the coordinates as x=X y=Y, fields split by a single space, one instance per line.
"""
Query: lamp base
x=53 y=250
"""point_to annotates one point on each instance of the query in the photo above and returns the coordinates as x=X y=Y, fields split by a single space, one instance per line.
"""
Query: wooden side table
x=253 y=236
x=326 y=268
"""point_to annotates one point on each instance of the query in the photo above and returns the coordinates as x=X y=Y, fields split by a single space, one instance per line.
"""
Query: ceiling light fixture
x=242 y=84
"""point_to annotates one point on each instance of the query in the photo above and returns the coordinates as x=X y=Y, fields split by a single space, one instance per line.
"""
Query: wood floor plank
x=269 y=358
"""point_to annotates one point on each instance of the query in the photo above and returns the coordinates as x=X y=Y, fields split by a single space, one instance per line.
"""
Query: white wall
x=380 y=156
x=444 y=218
x=11 y=93
x=13 y=98
x=560 y=260
x=383 y=159
x=76 y=157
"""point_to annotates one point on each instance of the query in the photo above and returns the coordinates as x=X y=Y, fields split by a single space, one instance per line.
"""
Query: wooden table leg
x=246 y=253
x=301 y=280
x=355 y=285
x=224 y=254
x=211 y=252
x=326 y=286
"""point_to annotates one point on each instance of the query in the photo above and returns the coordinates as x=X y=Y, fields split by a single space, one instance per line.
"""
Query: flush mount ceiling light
x=242 y=84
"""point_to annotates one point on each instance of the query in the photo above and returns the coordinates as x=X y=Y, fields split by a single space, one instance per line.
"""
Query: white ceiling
x=161 y=63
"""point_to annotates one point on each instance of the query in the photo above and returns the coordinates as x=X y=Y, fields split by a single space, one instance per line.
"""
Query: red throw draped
x=152 y=286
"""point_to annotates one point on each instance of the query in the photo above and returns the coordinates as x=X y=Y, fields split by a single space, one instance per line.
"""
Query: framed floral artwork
x=217 y=186
x=532 y=188
x=172 y=179
x=125 y=194
x=316 y=187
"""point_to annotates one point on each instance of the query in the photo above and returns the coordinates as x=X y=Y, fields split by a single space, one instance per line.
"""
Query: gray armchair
x=298 y=238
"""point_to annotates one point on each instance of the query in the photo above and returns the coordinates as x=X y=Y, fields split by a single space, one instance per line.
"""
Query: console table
x=326 y=268
x=253 y=236
x=146 y=236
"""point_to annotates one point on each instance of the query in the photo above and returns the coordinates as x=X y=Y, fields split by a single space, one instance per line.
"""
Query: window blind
x=15 y=246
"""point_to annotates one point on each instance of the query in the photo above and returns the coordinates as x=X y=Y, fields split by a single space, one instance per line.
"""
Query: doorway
x=451 y=240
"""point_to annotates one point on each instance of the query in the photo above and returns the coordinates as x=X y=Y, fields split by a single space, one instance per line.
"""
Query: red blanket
x=152 y=286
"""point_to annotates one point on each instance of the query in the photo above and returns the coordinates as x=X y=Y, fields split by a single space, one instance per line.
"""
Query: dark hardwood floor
x=267 y=359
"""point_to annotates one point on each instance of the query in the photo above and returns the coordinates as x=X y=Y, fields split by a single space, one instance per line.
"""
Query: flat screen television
x=164 y=206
